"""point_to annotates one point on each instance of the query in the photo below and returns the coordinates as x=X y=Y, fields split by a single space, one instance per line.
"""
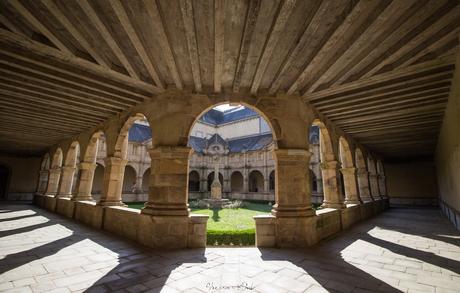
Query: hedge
x=234 y=237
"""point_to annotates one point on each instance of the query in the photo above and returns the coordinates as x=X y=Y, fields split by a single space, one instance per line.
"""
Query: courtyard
x=402 y=250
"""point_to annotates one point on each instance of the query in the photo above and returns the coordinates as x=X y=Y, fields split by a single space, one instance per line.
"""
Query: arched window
x=194 y=181
x=98 y=180
x=272 y=180
x=145 y=181
x=237 y=182
x=129 y=180
x=256 y=181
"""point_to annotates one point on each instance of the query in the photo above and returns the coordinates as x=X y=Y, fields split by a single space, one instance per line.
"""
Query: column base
x=352 y=202
x=334 y=205
x=111 y=204
x=64 y=195
x=367 y=199
x=155 y=209
x=82 y=198
x=286 y=211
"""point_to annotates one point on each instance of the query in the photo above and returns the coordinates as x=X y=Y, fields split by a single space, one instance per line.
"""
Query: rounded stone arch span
x=325 y=142
x=359 y=159
x=236 y=182
x=129 y=179
x=146 y=180
x=57 y=158
x=194 y=181
x=46 y=162
x=371 y=165
x=73 y=154
x=380 y=169
x=346 y=157
x=90 y=154
x=256 y=181
x=121 y=144
x=272 y=123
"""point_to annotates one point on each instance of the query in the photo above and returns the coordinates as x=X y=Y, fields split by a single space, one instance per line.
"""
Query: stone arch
x=346 y=157
x=98 y=180
x=256 y=181
x=129 y=179
x=69 y=170
x=93 y=147
x=121 y=145
x=211 y=179
x=362 y=176
x=194 y=181
x=381 y=178
x=329 y=170
x=373 y=180
x=237 y=182
x=55 y=173
x=271 y=181
x=44 y=173
x=146 y=181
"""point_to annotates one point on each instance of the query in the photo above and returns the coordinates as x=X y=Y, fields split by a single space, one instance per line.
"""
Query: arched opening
x=348 y=173
x=44 y=174
x=129 y=180
x=211 y=179
x=4 y=180
x=271 y=183
x=146 y=181
x=237 y=182
x=68 y=180
x=98 y=181
x=194 y=181
x=256 y=181
x=132 y=146
x=333 y=197
x=362 y=176
x=232 y=140
x=55 y=173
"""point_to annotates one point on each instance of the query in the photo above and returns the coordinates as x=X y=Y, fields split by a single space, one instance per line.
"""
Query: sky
x=225 y=107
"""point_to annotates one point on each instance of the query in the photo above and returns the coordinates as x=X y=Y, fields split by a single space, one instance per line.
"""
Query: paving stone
x=391 y=252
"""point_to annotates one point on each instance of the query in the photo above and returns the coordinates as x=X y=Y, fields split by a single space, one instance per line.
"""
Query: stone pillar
x=85 y=184
x=42 y=181
x=266 y=184
x=113 y=182
x=363 y=185
x=53 y=181
x=168 y=182
x=65 y=189
x=295 y=217
x=332 y=197
x=374 y=186
x=349 y=181
x=382 y=186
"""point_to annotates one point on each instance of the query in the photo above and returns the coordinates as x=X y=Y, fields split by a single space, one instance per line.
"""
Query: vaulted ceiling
x=379 y=69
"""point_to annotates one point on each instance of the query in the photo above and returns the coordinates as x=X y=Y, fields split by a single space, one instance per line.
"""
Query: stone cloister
x=378 y=81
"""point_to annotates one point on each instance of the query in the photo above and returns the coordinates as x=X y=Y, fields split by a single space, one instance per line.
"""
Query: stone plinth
x=216 y=203
x=197 y=231
x=265 y=230
x=65 y=207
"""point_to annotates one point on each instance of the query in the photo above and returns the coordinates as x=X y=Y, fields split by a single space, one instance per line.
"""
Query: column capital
x=329 y=165
x=55 y=170
x=68 y=168
x=170 y=152
x=346 y=171
x=292 y=154
x=87 y=166
x=361 y=171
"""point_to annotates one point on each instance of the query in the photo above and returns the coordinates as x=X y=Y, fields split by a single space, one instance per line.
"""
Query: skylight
x=227 y=107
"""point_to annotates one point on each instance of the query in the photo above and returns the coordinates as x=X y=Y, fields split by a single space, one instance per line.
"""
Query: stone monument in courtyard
x=216 y=200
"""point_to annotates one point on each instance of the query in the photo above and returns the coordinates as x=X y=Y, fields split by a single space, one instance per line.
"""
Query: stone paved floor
x=403 y=250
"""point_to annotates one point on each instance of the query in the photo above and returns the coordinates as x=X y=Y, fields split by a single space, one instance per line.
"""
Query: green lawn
x=228 y=219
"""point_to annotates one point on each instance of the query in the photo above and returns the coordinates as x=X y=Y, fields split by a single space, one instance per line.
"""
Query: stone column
x=330 y=173
x=382 y=186
x=53 y=181
x=363 y=185
x=349 y=181
x=113 y=182
x=42 y=181
x=168 y=182
x=295 y=221
x=67 y=180
x=85 y=184
x=374 y=186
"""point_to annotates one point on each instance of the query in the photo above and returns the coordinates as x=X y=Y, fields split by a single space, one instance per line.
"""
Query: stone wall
x=448 y=152
x=23 y=176
x=412 y=183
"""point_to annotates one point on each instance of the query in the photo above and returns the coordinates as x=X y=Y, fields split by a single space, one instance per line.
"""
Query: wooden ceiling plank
x=154 y=14
x=451 y=15
x=186 y=7
x=46 y=52
x=219 y=35
x=278 y=28
x=40 y=27
x=10 y=25
x=445 y=62
x=136 y=41
x=60 y=16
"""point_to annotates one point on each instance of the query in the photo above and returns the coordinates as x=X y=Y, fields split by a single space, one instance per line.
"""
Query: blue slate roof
x=252 y=143
x=217 y=117
x=139 y=133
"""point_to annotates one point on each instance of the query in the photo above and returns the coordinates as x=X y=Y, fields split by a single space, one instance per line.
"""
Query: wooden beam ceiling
x=380 y=70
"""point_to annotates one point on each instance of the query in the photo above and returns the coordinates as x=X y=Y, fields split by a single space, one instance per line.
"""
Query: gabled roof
x=216 y=117
x=139 y=133
x=252 y=143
